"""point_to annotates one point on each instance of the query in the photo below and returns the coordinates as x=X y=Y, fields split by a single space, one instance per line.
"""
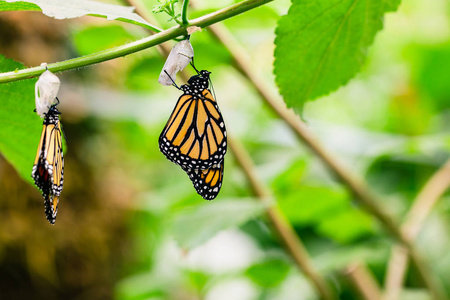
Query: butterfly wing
x=195 y=135
x=55 y=159
x=207 y=182
x=48 y=169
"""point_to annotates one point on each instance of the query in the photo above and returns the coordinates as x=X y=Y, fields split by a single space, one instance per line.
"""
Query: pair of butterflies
x=48 y=169
x=195 y=137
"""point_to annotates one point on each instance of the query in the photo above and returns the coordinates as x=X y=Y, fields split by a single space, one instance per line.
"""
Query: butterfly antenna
x=173 y=82
x=53 y=106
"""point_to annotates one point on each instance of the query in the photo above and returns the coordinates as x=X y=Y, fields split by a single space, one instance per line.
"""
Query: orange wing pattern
x=48 y=169
x=207 y=182
x=195 y=135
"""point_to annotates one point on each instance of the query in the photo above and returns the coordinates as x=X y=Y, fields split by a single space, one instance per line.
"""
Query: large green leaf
x=347 y=226
x=313 y=204
x=20 y=127
x=59 y=9
x=321 y=45
x=196 y=225
x=269 y=273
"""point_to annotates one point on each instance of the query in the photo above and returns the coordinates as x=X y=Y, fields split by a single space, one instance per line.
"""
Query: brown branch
x=395 y=272
x=431 y=192
x=425 y=200
x=364 y=282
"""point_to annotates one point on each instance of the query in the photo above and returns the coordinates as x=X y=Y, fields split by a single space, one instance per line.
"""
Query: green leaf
x=432 y=76
x=4 y=6
x=198 y=279
x=20 y=126
x=141 y=286
x=312 y=204
x=290 y=179
x=73 y=9
x=321 y=45
x=142 y=73
x=193 y=226
x=402 y=173
x=347 y=226
x=269 y=273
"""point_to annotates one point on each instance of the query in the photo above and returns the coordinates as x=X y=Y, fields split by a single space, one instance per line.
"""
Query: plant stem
x=357 y=186
x=184 y=9
x=284 y=229
x=364 y=281
x=431 y=192
x=133 y=47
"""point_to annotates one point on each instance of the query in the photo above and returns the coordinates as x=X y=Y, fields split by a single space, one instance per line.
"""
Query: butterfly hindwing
x=207 y=182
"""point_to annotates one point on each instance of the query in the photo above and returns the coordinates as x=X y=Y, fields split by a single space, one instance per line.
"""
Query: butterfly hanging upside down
x=48 y=169
x=195 y=137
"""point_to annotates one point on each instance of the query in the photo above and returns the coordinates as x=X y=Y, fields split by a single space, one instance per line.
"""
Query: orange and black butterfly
x=48 y=169
x=195 y=136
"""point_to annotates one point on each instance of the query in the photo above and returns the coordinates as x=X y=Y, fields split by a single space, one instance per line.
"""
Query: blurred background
x=131 y=226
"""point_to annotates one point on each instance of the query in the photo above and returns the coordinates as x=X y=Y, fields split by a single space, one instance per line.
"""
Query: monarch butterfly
x=48 y=169
x=207 y=182
x=195 y=136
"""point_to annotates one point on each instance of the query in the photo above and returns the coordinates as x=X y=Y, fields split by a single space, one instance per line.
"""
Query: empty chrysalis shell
x=180 y=56
x=45 y=90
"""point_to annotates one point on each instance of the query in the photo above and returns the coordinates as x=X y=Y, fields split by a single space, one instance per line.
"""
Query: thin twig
x=364 y=282
x=184 y=17
x=396 y=270
x=133 y=47
x=431 y=192
x=425 y=200
x=284 y=229
x=357 y=186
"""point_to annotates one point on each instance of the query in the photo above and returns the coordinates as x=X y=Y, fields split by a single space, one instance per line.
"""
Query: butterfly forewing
x=195 y=135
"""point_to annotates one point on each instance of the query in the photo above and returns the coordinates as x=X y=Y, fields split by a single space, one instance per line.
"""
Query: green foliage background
x=130 y=225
